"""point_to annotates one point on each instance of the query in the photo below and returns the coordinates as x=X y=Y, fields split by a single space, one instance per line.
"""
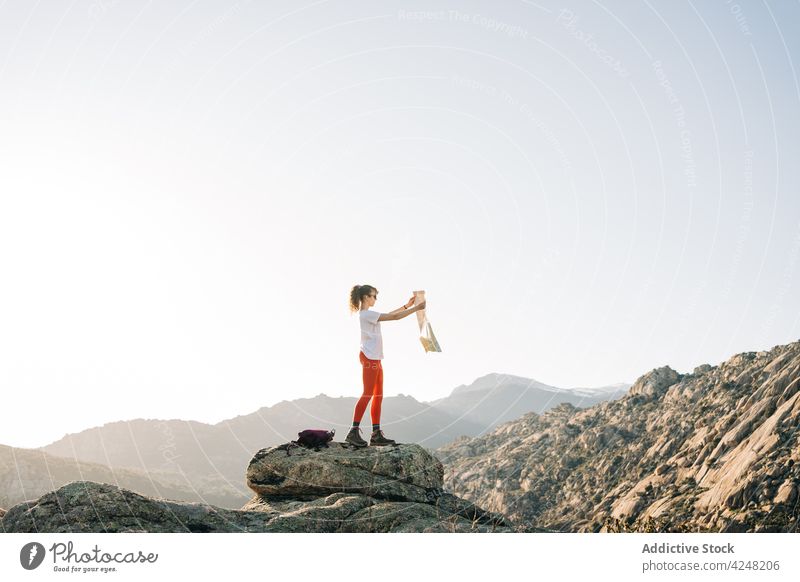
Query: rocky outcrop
x=714 y=450
x=87 y=506
x=655 y=383
x=335 y=489
x=405 y=472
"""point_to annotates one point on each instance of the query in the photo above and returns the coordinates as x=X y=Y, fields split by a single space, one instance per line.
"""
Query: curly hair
x=357 y=294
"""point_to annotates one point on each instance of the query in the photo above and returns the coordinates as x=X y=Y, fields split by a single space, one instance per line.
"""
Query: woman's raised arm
x=400 y=313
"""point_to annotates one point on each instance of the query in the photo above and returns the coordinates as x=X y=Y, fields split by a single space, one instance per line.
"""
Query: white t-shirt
x=371 y=338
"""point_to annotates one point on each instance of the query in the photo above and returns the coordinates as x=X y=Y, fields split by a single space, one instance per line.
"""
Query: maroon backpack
x=314 y=438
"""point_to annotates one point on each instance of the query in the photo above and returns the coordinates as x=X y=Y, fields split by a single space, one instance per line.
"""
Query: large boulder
x=400 y=473
x=655 y=382
x=335 y=489
x=87 y=506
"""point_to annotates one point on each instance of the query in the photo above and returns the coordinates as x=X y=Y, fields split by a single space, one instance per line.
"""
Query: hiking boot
x=354 y=438
x=378 y=440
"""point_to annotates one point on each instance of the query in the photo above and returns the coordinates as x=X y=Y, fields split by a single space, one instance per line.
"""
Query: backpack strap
x=287 y=446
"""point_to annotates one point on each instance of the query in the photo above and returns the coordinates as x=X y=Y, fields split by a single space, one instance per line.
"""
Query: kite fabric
x=425 y=330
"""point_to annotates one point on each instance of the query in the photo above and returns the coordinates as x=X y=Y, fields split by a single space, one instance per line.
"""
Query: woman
x=362 y=297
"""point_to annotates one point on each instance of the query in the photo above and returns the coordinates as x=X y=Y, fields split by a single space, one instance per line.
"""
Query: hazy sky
x=189 y=189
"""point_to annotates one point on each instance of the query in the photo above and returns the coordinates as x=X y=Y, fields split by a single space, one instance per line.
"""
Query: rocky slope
x=334 y=489
x=714 y=450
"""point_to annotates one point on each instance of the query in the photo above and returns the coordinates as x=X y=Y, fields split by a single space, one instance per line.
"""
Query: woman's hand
x=409 y=303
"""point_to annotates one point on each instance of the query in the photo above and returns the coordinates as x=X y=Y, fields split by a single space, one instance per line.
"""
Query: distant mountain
x=496 y=398
x=28 y=473
x=215 y=454
x=615 y=390
x=403 y=418
x=715 y=450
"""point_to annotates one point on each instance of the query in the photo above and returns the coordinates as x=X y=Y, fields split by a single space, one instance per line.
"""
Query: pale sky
x=189 y=189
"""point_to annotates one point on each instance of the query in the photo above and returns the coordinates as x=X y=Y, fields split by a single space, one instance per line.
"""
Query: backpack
x=314 y=438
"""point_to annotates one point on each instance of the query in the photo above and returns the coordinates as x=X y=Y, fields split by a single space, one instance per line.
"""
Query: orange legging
x=373 y=388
